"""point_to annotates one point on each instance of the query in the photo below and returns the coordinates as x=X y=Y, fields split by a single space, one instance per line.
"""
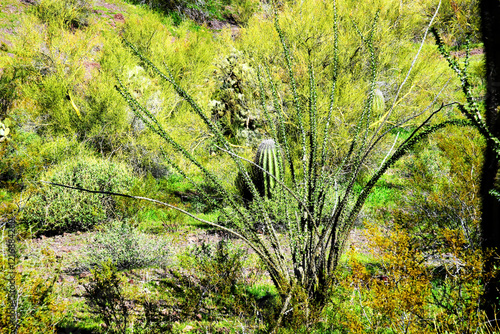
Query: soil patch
x=462 y=53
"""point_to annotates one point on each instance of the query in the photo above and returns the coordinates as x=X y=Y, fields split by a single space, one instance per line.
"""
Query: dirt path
x=69 y=246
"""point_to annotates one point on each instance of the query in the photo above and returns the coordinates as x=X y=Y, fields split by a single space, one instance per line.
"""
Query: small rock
x=64 y=249
x=85 y=274
x=119 y=17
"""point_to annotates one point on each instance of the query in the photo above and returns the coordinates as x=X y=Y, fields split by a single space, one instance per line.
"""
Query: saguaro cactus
x=266 y=166
x=267 y=159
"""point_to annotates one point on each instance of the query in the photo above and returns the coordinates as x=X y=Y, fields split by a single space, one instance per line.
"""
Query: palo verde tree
x=316 y=202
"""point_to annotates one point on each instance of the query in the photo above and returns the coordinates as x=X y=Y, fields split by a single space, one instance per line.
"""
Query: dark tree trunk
x=490 y=222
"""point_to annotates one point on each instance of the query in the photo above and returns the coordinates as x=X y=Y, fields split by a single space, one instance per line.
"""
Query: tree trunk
x=490 y=222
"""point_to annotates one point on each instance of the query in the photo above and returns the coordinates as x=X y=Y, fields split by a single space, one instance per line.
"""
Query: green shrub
x=411 y=292
x=64 y=13
x=69 y=86
x=441 y=189
x=158 y=220
x=211 y=283
x=222 y=266
x=7 y=90
x=38 y=310
x=318 y=200
x=238 y=11
x=104 y=296
x=28 y=303
x=457 y=19
x=145 y=161
x=125 y=248
x=24 y=156
x=57 y=210
x=19 y=159
x=57 y=149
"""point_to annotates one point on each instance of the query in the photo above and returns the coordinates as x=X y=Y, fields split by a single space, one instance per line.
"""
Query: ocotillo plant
x=13 y=293
x=264 y=172
x=318 y=207
x=484 y=117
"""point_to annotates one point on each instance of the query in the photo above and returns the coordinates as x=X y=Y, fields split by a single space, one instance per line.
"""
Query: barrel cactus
x=265 y=175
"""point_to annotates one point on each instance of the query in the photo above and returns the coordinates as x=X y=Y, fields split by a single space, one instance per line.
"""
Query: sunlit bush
x=440 y=189
x=57 y=210
x=125 y=248
x=64 y=13
x=408 y=291
x=457 y=19
x=38 y=308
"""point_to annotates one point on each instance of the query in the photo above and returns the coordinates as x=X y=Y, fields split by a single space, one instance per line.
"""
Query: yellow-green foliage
x=69 y=95
x=71 y=56
x=39 y=309
x=53 y=209
x=70 y=87
x=70 y=91
x=16 y=160
x=396 y=298
x=441 y=187
x=60 y=148
x=429 y=276
x=308 y=29
x=212 y=286
x=104 y=296
x=412 y=291
x=203 y=11
x=456 y=19
x=189 y=55
x=242 y=10
x=8 y=91
x=64 y=13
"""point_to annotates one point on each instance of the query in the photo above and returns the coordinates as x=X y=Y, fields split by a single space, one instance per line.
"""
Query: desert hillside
x=244 y=166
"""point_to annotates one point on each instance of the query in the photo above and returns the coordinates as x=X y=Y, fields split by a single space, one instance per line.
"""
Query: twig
x=390 y=151
x=165 y=204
